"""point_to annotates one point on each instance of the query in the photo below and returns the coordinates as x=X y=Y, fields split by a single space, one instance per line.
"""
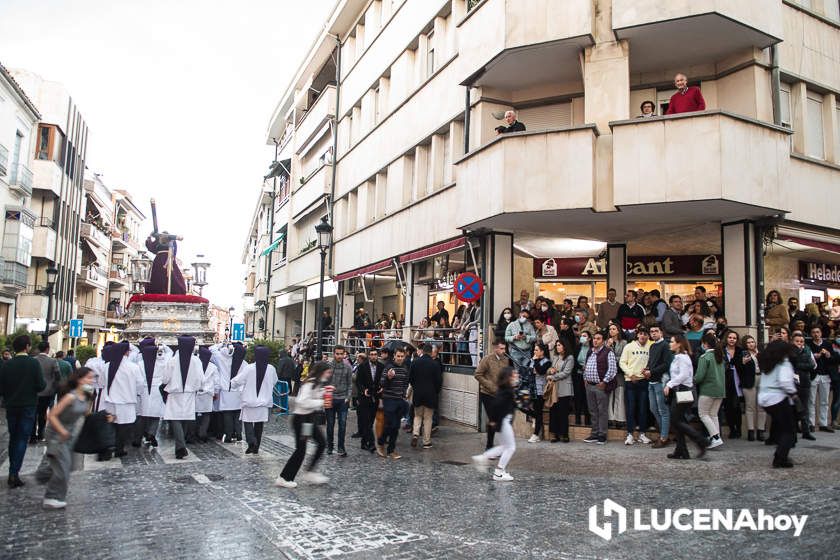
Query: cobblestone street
x=431 y=504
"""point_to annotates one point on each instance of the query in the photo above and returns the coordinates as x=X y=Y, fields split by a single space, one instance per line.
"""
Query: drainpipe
x=776 y=85
x=271 y=240
x=331 y=201
x=467 y=121
x=758 y=238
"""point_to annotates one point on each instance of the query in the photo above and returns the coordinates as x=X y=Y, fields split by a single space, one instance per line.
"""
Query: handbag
x=97 y=435
x=686 y=396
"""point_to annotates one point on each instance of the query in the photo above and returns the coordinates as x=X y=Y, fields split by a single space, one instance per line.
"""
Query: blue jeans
x=659 y=408
x=636 y=395
x=21 y=422
x=339 y=409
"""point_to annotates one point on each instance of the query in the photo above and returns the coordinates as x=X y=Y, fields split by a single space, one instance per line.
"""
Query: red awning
x=438 y=249
x=824 y=245
x=369 y=269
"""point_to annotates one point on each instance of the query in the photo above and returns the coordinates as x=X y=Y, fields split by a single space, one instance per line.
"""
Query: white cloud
x=177 y=97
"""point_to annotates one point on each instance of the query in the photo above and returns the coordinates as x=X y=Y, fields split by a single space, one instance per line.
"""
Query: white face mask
x=544 y=307
x=507 y=316
x=523 y=320
x=584 y=340
x=87 y=388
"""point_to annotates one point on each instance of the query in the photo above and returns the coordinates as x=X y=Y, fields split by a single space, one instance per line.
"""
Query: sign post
x=77 y=328
x=468 y=287
x=238 y=333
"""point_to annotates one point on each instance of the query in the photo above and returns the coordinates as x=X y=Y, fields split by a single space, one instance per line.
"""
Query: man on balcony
x=687 y=99
x=513 y=125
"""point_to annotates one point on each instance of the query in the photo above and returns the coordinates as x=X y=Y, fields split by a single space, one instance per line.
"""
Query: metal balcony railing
x=85 y=310
x=13 y=274
x=21 y=179
x=46 y=222
x=4 y=160
x=96 y=274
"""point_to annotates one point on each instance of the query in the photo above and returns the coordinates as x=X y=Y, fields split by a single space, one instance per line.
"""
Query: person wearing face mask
x=64 y=423
x=487 y=375
x=582 y=322
x=520 y=337
x=581 y=406
x=546 y=312
x=546 y=334
x=505 y=317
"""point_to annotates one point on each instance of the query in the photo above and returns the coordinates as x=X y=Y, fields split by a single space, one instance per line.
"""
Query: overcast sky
x=177 y=95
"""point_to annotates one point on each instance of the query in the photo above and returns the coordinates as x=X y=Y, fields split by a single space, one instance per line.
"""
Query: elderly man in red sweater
x=687 y=99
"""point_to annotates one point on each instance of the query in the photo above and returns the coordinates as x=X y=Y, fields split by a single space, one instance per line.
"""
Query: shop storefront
x=433 y=274
x=561 y=278
x=818 y=282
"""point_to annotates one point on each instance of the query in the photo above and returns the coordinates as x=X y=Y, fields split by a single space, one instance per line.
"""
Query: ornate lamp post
x=52 y=276
x=324 y=231
x=200 y=273
x=141 y=273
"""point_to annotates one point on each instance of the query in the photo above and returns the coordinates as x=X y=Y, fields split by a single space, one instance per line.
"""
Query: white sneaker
x=283 y=483
x=715 y=442
x=534 y=439
x=644 y=439
x=502 y=476
x=629 y=440
x=50 y=503
x=313 y=477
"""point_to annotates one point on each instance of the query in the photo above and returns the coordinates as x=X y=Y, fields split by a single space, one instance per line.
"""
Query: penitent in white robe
x=180 y=402
x=122 y=397
x=230 y=398
x=100 y=376
x=151 y=401
x=204 y=398
x=255 y=404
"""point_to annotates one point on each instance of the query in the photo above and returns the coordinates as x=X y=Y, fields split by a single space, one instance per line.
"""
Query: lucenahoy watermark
x=691 y=519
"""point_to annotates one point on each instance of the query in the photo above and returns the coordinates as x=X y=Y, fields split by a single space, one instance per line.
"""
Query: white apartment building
x=58 y=163
x=95 y=242
x=388 y=128
x=18 y=117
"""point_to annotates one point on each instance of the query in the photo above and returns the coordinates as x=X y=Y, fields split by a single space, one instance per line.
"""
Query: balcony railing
x=118 y=316
x=96 y=235
x=85 y=310
x=21 y=179
x=13 y=274
x=4 y=160
x=96 y=275
x=46 y=222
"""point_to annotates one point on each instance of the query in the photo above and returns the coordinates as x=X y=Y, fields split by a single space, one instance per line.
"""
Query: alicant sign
x=677 y=266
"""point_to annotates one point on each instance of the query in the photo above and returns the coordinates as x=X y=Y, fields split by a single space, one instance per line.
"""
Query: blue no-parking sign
x=77 y=328
x=238 y=334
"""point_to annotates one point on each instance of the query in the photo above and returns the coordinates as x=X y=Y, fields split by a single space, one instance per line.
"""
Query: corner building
x=398 y=101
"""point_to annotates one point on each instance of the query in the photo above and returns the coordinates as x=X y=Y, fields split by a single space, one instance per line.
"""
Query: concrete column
x=829 y=118
x=498 y=279
x=617 y=267
x=739 y=284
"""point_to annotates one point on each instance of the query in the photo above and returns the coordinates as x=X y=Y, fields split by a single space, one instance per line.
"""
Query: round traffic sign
x=468 y=287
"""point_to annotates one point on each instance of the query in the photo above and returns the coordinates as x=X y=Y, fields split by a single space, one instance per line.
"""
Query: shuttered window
x=558 y=115
x=814 y=133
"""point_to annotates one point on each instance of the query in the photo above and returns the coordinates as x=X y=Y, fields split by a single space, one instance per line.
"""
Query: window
x=663 y=99
x=832 y=9
x=45 y=141
x=784 y=110
x=814 y=126
x=430 y=54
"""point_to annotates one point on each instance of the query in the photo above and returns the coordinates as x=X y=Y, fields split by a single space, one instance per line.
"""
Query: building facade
x=58 y=162
x=92 y=284
x=389 y=128
x=21 y=234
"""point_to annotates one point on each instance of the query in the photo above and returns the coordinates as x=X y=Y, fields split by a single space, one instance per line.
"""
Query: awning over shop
x=370 y=269
x=823 y=245
x=273 y=245
x=100 y=256
x=432 y=251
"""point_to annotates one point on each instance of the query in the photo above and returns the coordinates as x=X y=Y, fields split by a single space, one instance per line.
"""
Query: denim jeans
x=21 y=422
x=637 y=405
x=393 y=410
x=659 y=408
x=339 y=409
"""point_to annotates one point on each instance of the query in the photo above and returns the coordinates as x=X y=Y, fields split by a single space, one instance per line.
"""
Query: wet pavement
x=430 y=504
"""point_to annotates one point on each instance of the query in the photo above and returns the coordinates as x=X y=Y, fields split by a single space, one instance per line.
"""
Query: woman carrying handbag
x=678 y=390
x=64 y=423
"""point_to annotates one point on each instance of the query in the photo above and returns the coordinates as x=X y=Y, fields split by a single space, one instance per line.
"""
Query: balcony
x=13 y=275
x=43 y=242
x=20 y=180
x=94 y=277
x=314 y=120
x=658 y=31
x=94 y=234
x=526 y=172
x=4 y=160
x=516 y=44
x=32 y=304
x=704 y=156
x=92 y=316
x=314 y=188
x=47 y=176
x=119 y=277
x=117 y=317
x=122 y=241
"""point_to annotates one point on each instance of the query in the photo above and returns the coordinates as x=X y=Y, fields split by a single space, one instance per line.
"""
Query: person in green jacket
x=21 y=380
x=711 y=388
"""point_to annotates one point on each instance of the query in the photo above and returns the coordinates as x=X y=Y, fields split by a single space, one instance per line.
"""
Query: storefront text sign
x=819 y=273
x=679 y=265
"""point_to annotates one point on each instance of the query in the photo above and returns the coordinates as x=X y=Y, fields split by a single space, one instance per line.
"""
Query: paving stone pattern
x=430 y=504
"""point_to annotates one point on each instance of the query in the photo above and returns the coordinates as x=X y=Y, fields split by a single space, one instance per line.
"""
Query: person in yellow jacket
x=634 y=360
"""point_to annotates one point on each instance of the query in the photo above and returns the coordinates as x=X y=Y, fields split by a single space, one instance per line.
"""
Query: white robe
x=230 y=398
x=255 y=405
x=100 y=376
x=122 y=397
x=204 y=398
x=151 y=401
x=180 y=402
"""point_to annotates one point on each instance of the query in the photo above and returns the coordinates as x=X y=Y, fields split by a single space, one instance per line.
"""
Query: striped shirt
x=394 y=388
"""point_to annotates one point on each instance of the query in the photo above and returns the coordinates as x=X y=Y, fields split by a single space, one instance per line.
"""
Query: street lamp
x=141 y=272
x=52 y=276
x=324 y=231
x=230 y=316
x=200 y=273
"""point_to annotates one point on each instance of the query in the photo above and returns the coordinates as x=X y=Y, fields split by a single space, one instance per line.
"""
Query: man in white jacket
x=257 y=381
x=123 y=387
x=183 y=378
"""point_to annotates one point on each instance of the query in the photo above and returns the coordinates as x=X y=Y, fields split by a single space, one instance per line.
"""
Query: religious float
x=161 y=307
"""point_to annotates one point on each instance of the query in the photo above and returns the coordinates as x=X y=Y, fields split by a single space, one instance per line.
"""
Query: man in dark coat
x=366 y=399
x=285 y=368
x=426 y=379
